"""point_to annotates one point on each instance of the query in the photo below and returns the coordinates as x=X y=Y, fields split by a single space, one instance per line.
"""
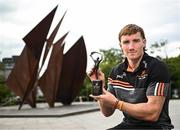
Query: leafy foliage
x=111 y=58
x=86 y=90
x=159 y=46
x=4 y=91
x=174 y=67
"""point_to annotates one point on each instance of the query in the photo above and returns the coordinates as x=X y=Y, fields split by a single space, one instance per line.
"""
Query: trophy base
x=97 y=87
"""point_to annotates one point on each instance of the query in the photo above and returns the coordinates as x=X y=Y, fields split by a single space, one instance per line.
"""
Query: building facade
x=9 y=64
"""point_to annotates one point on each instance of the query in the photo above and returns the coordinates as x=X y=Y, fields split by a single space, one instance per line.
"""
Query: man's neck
x=133 y=64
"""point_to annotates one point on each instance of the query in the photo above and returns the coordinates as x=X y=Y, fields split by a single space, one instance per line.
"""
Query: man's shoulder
x=118 y=69
x=154 y=62
x=158 y=70
x=119 y=66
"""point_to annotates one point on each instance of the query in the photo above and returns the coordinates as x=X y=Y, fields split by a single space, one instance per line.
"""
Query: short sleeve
x=110 y=87
x=159 y=80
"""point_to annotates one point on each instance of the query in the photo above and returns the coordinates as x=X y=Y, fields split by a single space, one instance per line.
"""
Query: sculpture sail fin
x=73 y=72
x=50 y=79
x=51 y=38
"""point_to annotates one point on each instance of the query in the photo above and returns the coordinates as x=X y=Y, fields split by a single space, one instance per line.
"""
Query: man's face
x=132 y=46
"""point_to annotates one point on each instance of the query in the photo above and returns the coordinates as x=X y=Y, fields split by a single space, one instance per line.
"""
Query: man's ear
x=120 y=45
x=144 y=41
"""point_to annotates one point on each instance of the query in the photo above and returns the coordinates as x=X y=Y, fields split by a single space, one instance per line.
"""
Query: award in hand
x=96 y=84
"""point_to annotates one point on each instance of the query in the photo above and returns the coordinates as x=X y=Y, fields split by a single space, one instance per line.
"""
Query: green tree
x=112 y=57
x=174 y=67
x=1 y=66
x=173 y=63
x=160 y=47
x=86 y=90
x=4 y=91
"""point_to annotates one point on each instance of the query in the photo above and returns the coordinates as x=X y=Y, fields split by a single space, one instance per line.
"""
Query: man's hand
x=92 y=75
x=106 y=99
x=106 y=102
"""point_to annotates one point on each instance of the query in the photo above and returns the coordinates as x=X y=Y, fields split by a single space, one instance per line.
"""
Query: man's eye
x=136 y=40
x=125 y=42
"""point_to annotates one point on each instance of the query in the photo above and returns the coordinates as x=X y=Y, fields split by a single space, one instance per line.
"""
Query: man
x=139 y=87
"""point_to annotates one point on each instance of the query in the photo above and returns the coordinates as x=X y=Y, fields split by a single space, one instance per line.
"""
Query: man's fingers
x=104 y=90
x=90 y=73
x=95 y=97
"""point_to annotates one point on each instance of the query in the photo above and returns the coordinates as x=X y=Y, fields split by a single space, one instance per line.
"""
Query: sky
x=98 y=21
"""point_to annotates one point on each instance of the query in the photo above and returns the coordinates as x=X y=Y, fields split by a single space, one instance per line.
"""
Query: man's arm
x=105 y=110
x=149 y=111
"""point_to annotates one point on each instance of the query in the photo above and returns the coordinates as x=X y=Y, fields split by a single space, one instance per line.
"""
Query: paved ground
x=93 y=120
x=43 y=110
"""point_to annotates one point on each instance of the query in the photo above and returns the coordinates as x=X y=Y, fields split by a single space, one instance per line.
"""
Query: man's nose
x=131 y=45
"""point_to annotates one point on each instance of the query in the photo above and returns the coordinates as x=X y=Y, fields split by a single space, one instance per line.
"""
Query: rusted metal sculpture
x=73 y=72
x=64 y=74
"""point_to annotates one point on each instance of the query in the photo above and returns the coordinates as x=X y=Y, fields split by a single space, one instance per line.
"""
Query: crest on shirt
x=121 y=76
x=143 y=75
